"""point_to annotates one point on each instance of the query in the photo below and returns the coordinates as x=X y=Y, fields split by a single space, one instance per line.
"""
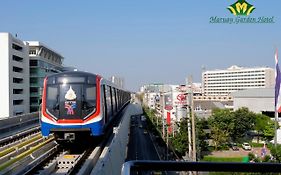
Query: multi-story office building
x=223 y=82
x=43 y=61
x=14 y=76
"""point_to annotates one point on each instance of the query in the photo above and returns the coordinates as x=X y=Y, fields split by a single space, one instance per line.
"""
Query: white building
x=151 y=99
x=117 y=80
x=14 y=75
x=223 y=82
x=256 y=100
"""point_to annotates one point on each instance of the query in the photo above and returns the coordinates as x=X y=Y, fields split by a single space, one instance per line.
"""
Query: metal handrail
x=132 y=166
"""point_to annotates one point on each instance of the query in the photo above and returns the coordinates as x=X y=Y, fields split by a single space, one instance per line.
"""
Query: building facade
x=14 y=73
x=43 y=61
x=223 y=82
x=117 y=80
x=256 y=100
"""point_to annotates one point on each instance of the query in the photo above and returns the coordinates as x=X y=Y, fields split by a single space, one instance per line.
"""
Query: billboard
x=179 y=96
x=168 y=102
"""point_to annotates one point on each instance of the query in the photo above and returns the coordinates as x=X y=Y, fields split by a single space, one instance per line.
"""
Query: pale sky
x=146 y=41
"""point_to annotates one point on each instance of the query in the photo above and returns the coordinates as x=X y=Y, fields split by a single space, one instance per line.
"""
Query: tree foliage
x=201 y=135
x=224 y=126
x=243 y=121
x=221 y=125
x=264 y=126
x=276 y=153
x=180 y=141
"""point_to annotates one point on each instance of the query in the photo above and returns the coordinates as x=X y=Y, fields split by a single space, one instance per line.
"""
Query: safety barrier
x=11 y=123
x=113 y=156
x=148 y=165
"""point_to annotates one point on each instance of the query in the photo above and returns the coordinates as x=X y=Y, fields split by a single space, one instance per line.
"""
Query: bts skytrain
x=79 y=104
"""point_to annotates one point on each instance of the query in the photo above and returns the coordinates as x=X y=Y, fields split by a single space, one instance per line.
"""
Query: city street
x=140 y=145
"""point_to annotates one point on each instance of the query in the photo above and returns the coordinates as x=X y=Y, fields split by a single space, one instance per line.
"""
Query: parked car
x=234 y=147
x=246 y=146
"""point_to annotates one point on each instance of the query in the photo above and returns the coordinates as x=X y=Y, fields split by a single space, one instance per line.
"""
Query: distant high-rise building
x=223 y=82
x=43 y=61
x=117 y=80
x=14 y=76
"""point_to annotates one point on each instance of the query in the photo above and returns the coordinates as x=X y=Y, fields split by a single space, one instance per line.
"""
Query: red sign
x=168 y=107
x=181 y=97
x=169 y=122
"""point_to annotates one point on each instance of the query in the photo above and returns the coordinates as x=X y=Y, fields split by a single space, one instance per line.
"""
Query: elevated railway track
x=27 y=152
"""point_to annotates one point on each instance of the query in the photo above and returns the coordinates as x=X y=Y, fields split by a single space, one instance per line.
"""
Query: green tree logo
x=241 y=7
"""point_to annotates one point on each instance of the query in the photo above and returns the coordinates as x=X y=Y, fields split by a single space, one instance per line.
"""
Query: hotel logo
x=241 y=8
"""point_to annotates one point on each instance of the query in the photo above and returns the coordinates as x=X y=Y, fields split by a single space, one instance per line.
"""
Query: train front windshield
x=71 y=97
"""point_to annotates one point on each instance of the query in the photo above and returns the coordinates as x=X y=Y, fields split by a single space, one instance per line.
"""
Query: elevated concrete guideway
x=114 y=155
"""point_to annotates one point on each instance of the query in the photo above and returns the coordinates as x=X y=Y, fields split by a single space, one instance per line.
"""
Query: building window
x=17 y=102
x=17 y=80
x=18 y=113
x=17 y=91
x=33 y=63
x=32 y=52
x=17 y=69
x=16 y=47
x=33 y=80
x=33 y=90
x=16 y=58
x=34 y=101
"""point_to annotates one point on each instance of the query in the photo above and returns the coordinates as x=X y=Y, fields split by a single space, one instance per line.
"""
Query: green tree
x=264 y=126
x=243 y=121
x=180 y=141
x=201 y=136
x=276 y=153
x=221 y=124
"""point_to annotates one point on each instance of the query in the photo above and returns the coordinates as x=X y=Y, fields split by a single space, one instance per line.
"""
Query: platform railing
x=182 y=166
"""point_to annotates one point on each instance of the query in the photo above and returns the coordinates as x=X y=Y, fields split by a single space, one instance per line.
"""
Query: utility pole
x=163 y=115
x=192 y=120
x=167 y=134
x=175 y=122
x=188 y=123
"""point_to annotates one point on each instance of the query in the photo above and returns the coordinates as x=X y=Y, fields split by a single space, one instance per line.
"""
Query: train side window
x=104 y=103
x=52 y=100
x=122 y=97
x=113 y=100
x=52 y=97
x=109 y=101
x=89 y=100
x=91 y=95
x=117 y=99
